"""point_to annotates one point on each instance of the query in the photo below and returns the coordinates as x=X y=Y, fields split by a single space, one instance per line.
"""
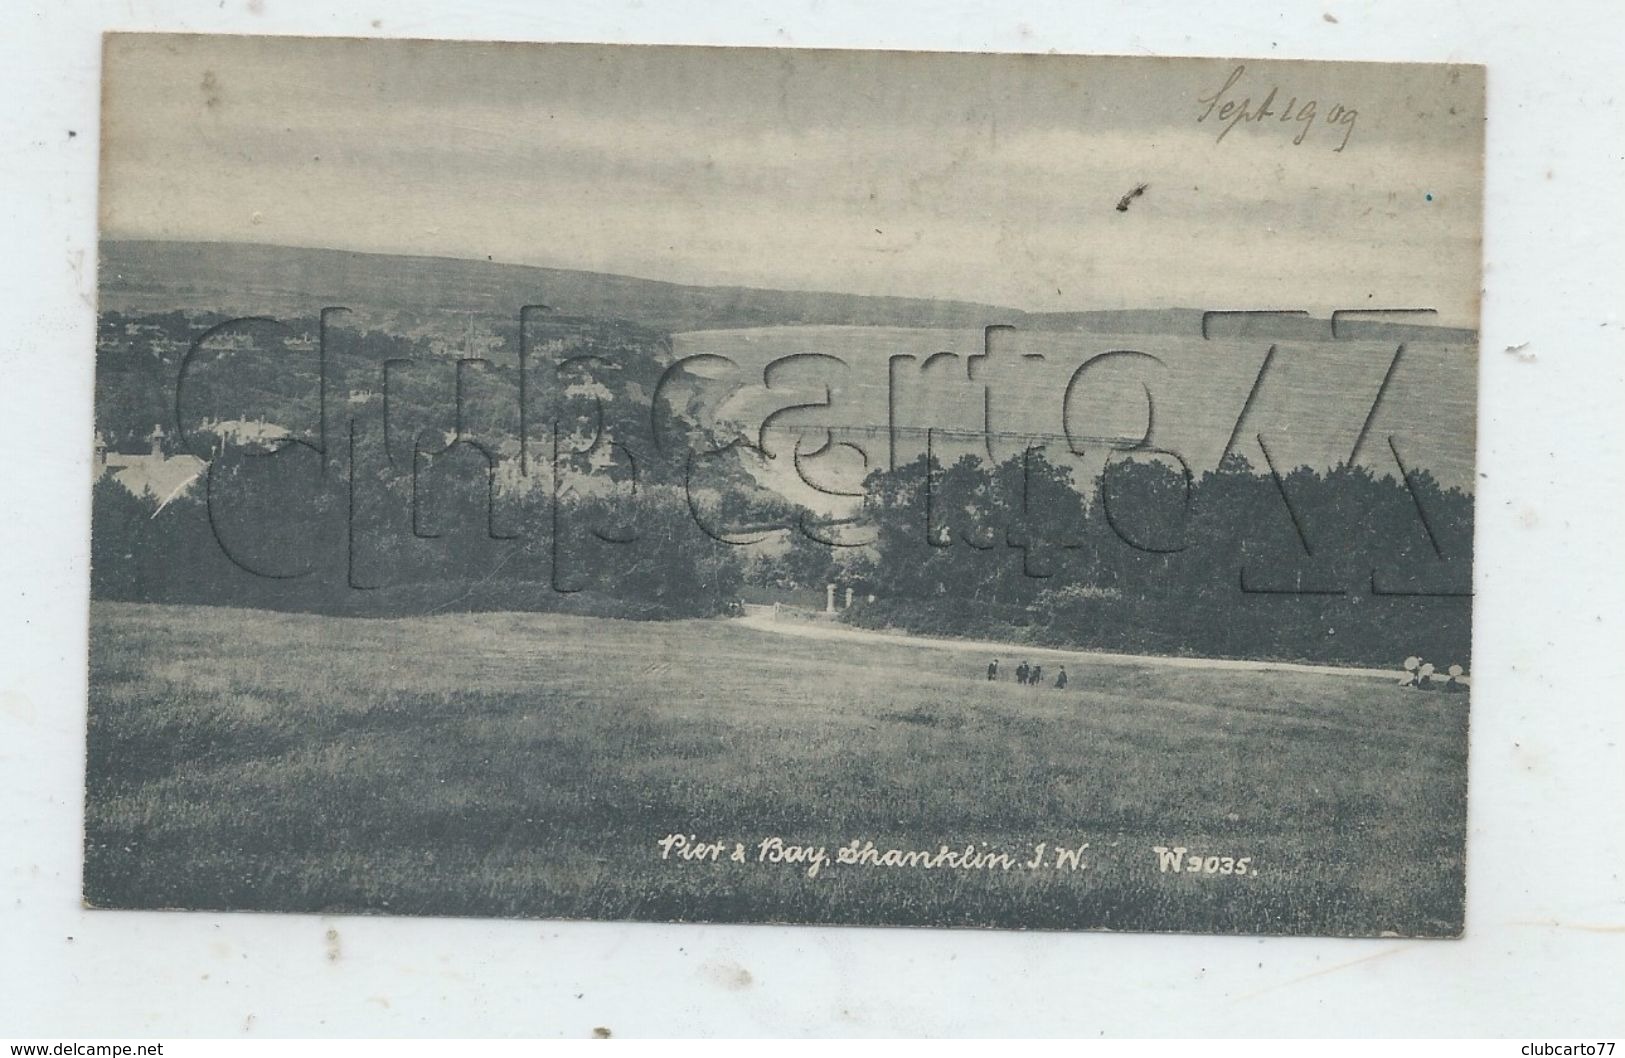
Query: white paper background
x=1545 y=946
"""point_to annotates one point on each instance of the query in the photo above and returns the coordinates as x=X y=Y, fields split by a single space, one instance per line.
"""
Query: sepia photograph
x=760 y=485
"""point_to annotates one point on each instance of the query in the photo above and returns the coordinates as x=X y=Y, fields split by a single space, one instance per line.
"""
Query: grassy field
x=529 y=764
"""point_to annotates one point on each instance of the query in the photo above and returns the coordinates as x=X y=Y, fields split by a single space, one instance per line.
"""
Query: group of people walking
x=1422 y=676
x=1028 y=675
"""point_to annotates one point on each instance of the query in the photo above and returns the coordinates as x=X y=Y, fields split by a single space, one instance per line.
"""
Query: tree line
x=1342 y=566
x=404 y=507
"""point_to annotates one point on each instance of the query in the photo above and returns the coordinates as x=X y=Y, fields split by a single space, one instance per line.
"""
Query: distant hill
x=250 y=278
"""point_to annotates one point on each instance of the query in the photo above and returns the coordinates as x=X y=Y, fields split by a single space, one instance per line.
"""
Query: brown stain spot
x=256 y=7
x=210 y=86
x=728 y=975
x=1329 y=17
x=601 y=1033
x=15 y=702
x=334 y=952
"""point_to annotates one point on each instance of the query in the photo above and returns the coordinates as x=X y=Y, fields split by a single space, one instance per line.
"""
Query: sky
x=991 y=178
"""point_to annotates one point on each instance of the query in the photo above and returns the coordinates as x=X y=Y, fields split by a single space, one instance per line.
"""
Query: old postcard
x=754 y=485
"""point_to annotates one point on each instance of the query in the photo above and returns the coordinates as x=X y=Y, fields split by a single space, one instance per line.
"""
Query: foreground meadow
x=530 y=764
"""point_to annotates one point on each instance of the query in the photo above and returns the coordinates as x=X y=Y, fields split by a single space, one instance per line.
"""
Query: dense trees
x=363 y=546
x=441 y=495
x=477 y=485
x=1344 y=565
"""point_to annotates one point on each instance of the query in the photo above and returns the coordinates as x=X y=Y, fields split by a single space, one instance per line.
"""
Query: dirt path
x=1008 y=653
